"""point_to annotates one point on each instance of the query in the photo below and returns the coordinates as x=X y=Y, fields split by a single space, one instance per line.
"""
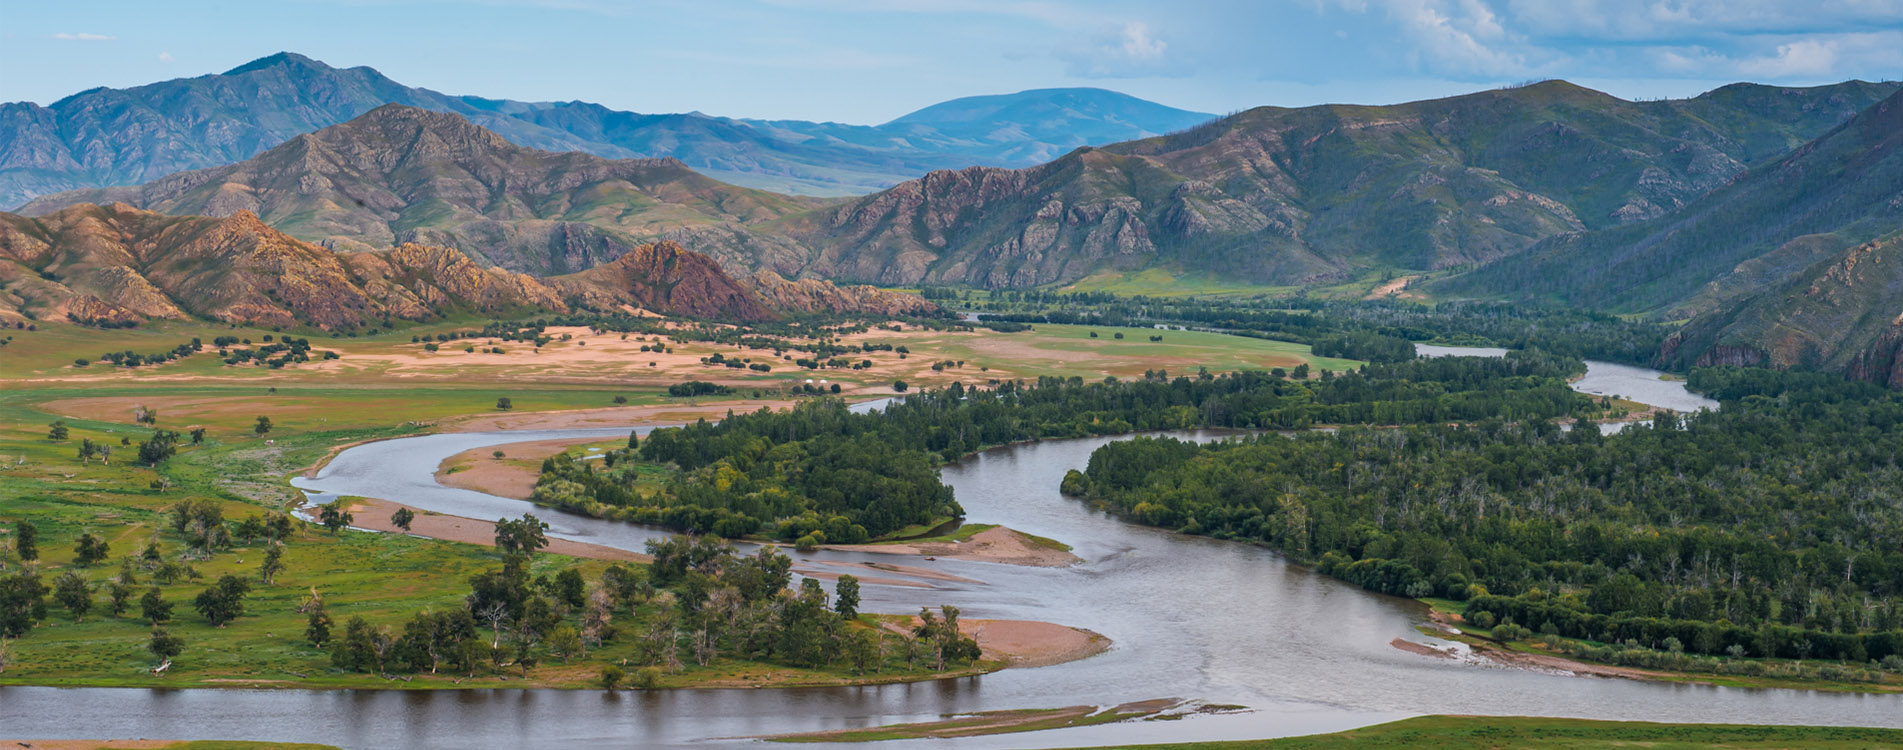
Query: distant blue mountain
x=109 y=137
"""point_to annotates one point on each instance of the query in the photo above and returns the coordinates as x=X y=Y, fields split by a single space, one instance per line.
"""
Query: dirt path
x=998 y=545
x=375 y=515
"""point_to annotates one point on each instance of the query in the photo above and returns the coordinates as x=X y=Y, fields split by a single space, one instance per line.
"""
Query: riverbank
x=1530 y=733
x=1445 y=622
x=373 y=514
x=993 y=722
x=511 y=475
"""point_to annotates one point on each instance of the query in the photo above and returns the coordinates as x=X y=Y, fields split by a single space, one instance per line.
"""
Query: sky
x=868 y=61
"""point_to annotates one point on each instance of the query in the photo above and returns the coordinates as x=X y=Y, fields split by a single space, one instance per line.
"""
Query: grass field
x=384 y=578
x=1503 y=733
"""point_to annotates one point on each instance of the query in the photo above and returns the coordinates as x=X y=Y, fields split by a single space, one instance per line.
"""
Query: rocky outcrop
x=666 y=278
x=814 y=296
x=118 y=264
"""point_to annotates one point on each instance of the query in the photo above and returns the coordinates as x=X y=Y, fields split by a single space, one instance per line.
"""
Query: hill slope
x=399 y=174
x=115 y=264
x=1281 y=196
x=1780 y=219
x=114 y=137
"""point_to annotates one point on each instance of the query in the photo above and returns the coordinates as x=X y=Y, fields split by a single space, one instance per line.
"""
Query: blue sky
x=867 y=61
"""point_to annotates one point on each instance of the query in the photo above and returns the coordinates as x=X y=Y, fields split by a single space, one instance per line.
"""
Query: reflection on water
x=1190 y=617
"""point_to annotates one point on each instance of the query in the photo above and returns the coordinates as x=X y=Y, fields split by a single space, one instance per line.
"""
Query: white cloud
x=165 y=57
x=1127 y=50
x=1804 y=57
x=1654 y=20
x=1454 y=37
x=1814 y=57
x=82 y=37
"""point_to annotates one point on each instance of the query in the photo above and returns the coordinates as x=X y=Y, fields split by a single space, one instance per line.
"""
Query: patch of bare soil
x=513 y=475
x=998 y=545
x=374 y=514
x=1394 y=289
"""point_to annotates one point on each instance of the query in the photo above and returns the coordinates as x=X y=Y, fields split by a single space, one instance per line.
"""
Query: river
x=1190 y=617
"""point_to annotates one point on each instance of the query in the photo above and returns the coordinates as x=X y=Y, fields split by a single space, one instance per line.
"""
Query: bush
x=612 y=676
x=648 y=678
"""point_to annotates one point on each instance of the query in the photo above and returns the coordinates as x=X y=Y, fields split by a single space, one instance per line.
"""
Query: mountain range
x=113 y=137
x=1281 y=196
x=400 y=174
x=1767 y=217
x=117 y=265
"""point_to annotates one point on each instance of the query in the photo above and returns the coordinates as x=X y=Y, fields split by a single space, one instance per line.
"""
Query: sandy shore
x=1029 y=643
x=375 y=515
x=1023 y=643
x=998 y=545
x=511 y=476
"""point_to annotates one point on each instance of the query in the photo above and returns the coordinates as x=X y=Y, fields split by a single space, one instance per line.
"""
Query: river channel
x=1190 y=618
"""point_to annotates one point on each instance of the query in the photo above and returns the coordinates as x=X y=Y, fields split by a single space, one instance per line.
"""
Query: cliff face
x=115 y=264
x=399 y=174
x=665 y=278
x=1844 y=313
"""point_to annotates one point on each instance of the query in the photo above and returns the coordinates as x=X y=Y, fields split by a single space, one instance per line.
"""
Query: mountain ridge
x=400 y=174
x=1280 y=196
x=120 y=265
x=104 y=137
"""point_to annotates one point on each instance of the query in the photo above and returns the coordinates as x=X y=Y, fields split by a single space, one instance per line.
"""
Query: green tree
x=612 y=676
x=90 y=550
x=273 y=562
x=162 y=445
x=846 y=596
x=317 y=625
x=26 y=540
x=402 y=518
x=198 y=435
x=118 y=597
x=223 y=601
x=22 y=603
x=57 y=431
x=73 y=593
x=521 y=536
x=335 y=515
x=165 y=645
x=154 y=607
x=504 y=403
x=263 y=426
x=565 y=643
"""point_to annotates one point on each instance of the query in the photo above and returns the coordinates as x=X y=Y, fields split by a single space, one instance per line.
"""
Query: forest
x=1370 y=330
x=1770 y=527
x=824 y=472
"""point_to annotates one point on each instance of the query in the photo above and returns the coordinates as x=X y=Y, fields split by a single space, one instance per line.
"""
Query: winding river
x=1190 y=617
